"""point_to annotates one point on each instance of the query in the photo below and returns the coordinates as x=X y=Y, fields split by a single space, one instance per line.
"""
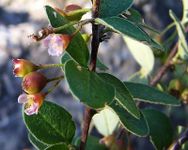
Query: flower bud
x=72 y=7
x=21 y=67
x=56 y=43
x=72 y=12
x=34 y=82
x=31 y=103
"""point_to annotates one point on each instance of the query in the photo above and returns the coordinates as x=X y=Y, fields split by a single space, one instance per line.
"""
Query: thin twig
x=165 y=67
x=88 y=114
x=181 y=141
x=167 y=64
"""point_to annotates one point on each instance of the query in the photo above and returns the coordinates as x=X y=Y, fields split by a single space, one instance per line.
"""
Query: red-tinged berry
x=34 y=82
x=21 y=67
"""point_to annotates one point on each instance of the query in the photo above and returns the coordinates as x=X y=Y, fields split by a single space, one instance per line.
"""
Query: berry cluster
x=33 y=81
x=32 y=84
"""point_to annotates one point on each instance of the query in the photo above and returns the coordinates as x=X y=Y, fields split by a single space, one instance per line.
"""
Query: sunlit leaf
x=106 y=121
x=142 y=53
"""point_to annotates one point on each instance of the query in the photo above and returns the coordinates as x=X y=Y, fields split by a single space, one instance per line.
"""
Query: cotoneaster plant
x=118 y=109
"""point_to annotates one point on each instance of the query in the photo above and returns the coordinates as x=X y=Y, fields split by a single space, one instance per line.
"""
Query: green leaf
x=183 y=47
x=59 y=146
x=99 y=64
x=87 y=86
x=53 y=124
x=138 y=50
x=109 y=8
x=77 y=48
x=149 y=94
x=161 y=131
x=76 y=15
x=133 y=16
x=106 y=121
x=128 y=28
x=36 y=142
x=138 y=127
x=122 y=95
x=93 y=143
x=138 y=77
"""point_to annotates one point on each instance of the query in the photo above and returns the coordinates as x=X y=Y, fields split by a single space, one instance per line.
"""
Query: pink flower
x=56 y=44
x=31 y=103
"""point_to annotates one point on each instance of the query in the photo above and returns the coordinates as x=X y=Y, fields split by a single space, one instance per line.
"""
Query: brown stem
x=165 y=67
x=88 y=114
x=167 y=64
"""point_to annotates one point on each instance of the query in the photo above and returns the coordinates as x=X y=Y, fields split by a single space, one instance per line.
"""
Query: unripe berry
x=34 y=82
x=184 y=95
x=72 y=7
x=72 y=12
x=175 y=87
x=21 y=67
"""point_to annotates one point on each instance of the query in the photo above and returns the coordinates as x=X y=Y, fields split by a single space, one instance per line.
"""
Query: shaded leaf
x=109 y=8
x=149 y=94
x=161 y=131
x=127 y=28
x=92 y=143
x=59 y=146
x=53 y=124
x=77 y=48
x=122 y=94
x=106 y=121
x=36 y=142
x=138 y=77
x=138 y=127
x=87 y=86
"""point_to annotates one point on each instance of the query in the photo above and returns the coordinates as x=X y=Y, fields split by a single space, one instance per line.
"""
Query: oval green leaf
x=109 y=8
x=138 y=127
x=127 y=28
x=161 y=131
x=145 y=93
x=99 y=64
x=123 y=96
x=77 y=48
x=87 y=86
x=52 y=124
x=36 y=142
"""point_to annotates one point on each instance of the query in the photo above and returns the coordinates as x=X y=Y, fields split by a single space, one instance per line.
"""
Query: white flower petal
x=22 y=98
